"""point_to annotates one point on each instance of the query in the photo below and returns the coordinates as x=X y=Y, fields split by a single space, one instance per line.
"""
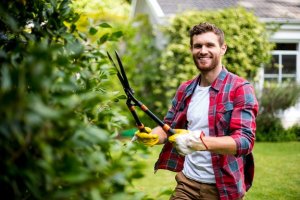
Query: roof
x=170 y=7
x=264 y=9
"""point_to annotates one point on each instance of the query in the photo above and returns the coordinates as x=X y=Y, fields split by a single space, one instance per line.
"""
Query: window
x=283 y=66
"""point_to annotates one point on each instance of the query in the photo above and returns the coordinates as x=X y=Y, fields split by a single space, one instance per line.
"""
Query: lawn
x=277 y=174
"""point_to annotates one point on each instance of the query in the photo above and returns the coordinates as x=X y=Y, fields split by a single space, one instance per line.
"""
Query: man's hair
x=204 y=28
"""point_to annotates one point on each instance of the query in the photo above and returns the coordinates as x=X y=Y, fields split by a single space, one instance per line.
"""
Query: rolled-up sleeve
x=243 y=124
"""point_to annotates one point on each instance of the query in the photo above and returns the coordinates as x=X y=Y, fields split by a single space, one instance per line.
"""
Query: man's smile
x=204 y=58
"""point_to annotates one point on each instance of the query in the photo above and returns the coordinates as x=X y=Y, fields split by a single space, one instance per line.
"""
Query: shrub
x=273 y=100
x=269 y=128
x=294 y=130
x=57 y=125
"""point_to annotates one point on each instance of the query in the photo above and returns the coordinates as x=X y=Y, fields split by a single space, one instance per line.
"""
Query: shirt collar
x=219 y=80
x=216 y=84
x=191 y=87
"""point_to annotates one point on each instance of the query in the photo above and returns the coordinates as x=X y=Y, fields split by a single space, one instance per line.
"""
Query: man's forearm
x=221 y=145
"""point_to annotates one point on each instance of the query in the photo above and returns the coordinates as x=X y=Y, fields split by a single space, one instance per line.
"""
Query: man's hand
x=146 y=138
x=187 y=142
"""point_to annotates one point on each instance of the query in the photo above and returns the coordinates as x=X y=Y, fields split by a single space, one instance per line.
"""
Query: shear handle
x=164 y=126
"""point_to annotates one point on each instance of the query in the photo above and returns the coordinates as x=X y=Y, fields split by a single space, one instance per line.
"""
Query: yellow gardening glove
x=146 y=138
x=178 y=132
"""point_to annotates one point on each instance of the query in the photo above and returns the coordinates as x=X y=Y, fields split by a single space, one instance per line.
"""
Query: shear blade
x=121 y=73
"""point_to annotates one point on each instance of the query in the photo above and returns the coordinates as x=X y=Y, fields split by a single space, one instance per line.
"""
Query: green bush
x=273 y=100
x=294 y=131
x=270 y=129
x=57 y=122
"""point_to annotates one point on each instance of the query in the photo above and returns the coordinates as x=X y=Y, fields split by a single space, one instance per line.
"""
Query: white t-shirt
x=198 y=165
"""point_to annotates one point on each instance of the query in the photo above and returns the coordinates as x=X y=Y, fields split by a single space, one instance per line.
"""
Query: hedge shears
x=132 y=101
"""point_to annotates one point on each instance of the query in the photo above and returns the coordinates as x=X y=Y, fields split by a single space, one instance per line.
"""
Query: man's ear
x=223 y=49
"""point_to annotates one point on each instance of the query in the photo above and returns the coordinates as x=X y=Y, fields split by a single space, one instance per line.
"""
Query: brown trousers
x=188 y=189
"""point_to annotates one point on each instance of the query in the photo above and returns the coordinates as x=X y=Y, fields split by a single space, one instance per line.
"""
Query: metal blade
x=123 y=72
x=118 y=72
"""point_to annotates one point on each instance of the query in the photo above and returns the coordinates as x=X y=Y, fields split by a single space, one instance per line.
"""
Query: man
x=214 y=120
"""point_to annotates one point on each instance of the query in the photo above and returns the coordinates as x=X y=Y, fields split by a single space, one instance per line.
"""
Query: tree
x=57 y=125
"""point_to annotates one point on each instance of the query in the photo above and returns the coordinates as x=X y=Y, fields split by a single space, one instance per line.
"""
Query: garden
x=63 y=109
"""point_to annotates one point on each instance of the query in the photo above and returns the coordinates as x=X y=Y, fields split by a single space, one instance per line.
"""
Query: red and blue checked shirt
x=232 y=111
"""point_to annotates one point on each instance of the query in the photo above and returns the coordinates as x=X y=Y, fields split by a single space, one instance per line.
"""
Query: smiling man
x=214 y=119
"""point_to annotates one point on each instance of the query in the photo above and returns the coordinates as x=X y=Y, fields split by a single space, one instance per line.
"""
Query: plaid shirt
x=232 y=111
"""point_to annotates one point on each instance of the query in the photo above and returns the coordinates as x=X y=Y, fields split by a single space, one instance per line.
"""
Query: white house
x=287 y=38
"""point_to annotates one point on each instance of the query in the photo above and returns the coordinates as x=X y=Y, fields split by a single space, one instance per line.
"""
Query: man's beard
x=214 y=63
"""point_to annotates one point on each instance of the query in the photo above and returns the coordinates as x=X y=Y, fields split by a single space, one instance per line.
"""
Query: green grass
x=277 y=174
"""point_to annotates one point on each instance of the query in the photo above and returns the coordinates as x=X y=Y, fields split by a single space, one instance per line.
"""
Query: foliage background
x=59 y=117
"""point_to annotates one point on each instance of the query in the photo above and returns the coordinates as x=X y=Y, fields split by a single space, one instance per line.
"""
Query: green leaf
x=116 y=99
x=123 y=96
x=105 y=25
x=42 y=109
x=115 y=35
x=93 y=31
x=103 y=39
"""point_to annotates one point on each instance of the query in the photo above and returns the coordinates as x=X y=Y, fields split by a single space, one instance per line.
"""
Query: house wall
x=156 y=17
x=290 y=33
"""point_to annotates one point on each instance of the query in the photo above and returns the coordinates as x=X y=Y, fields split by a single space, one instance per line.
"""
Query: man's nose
x=203 y=49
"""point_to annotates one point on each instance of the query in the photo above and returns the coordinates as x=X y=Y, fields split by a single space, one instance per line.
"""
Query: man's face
x=207 y=51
